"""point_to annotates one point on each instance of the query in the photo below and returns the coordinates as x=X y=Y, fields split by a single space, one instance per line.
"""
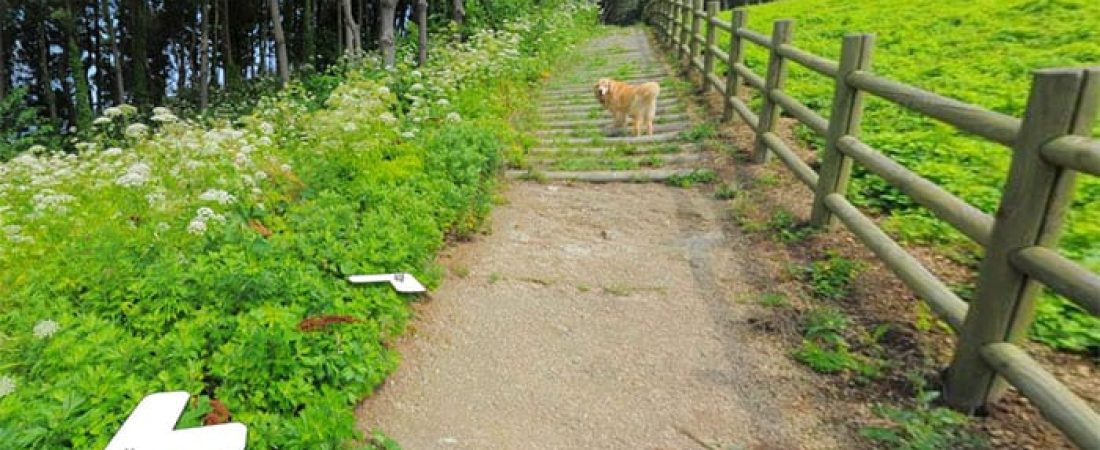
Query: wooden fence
x=1049 y=145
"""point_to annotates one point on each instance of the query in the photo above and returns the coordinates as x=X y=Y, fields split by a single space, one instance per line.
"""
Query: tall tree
x=459 y=11
x=43 y=76
x=309 y=37
x=422 y=29
x=139 y=32
x=82 y=98
x=280 y=42
x=204 y=57
x=3 y=49
x=354 y=45
x=232 y=70
x=109 y=15
x=386 y=12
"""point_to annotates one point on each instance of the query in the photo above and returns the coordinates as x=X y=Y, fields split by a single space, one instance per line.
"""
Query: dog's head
x=602 y=89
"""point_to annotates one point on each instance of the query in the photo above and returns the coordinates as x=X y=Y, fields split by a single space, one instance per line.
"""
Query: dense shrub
x=172 y=255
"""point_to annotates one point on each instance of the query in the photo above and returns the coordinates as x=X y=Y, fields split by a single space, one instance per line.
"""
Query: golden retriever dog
x=622 y=100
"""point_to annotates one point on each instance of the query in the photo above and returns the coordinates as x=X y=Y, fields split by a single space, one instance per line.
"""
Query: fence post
x=1036 y=194
x=777 y=72
x=735 y=57
x=696 y=8
x=684 y=29
x=708 y=55
x=843 y=120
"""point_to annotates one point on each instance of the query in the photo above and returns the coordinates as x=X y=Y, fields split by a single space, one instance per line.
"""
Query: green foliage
x=825 y=349
x=701 y=176
x=20 y=126
x=701 y=131
x=784 y=227
x=923 y=426
x=830 y=278
x=211 y=257
x=979 y=51
x=773 y=300
x=725 y=192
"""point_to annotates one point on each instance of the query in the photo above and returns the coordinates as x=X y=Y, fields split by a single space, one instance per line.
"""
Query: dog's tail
x=648 y=93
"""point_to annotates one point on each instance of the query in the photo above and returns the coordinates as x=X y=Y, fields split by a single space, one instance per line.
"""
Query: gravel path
x=598 y=316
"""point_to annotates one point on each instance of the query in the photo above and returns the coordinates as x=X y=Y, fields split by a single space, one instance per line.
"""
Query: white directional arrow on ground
x=402 y=282
x=152 y=427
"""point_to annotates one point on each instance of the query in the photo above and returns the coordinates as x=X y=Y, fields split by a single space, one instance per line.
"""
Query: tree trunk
x=204 y=58
x=232 y=72
x=309 y=44
x=280 y=43
x=459 y=12
x=351 y=31
x=44 y=72
x=116 y=54
x=387 y=9
x=3 y=49
x=422 y=29
x=140 y=54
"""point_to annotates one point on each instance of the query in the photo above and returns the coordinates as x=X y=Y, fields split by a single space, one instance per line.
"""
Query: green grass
x=922 y=425
x=978 y=51
x=825 y=349
x=701 y=176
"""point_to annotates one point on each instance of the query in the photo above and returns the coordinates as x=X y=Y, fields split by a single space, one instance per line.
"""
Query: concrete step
x=665 y=159
x=596 y=112
x=591 y=101
x=606 y=121
x=636 y=149
x=609 y=130
x=658 y=137
x=603 y=176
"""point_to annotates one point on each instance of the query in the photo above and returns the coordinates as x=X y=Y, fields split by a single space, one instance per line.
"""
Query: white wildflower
x=350 y=127
x=408 y=135
x=453 y=117
x=7 y=385
x=113 y=111
x=267 y=128
x=161 y=111
x=45 y=328
x=36 y=149
x=137 y=130
x=260 y=175
x=113 y=151
x=416 y=87
x=127 y=110
x=265 y=141
x=217 y=195
x=383 y=90
x=101 y=120
x=416 y=74
x=388 y=118
x=442 y=102
x=154 y=198
x=286 y=168
x=136 y=175
x=197 y=226
x=165 y=118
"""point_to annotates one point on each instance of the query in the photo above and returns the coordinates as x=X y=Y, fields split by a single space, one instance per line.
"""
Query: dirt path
x=611 y=316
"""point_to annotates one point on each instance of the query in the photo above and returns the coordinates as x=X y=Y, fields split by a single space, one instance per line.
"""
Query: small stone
x=448 y=441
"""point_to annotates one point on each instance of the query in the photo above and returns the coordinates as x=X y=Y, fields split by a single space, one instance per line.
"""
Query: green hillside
x=978 y=51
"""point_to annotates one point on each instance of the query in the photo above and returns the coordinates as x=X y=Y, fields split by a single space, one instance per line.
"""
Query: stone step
x=603 y=176
x=610 y=131
x=591 y=101
x=586 y=86
x=638 y=149
x=606 y=121
x=659 y=137
x=595 y=112
x=666 y=159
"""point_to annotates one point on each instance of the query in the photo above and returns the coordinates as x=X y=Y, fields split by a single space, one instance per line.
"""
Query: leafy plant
x=701 y=131
x=725 y=191
x=825 y=349
x=830 y=278
x=699 y=176
x=923 y=426
x=786 y=229
x=773 y=300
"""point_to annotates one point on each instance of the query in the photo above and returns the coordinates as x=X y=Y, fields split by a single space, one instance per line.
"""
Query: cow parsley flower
x=45 y=328
x=388 y=118
x=113 y=151
x=408 y=134
x=416 y=87
x=136 y=175
x=101 y=120
x=137 y=130
x=160 y=111
x=217 y=195
x=267 y=128
x=113 y=111
x=453 y=117
x=197 y=226
x=383 y=90
x=7 y=385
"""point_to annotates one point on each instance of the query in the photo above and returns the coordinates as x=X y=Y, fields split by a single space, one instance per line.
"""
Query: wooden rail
x=1049 y=146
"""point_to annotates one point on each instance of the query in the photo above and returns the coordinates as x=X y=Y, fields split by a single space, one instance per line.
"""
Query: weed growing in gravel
x=787 y=229
x=701 y=131
x=825 y=349
x=725 y=192
x=773 y=300
x=703 y=176
x=831 y=278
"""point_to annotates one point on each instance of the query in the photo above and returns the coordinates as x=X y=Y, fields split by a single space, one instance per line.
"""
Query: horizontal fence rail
x=1049 y=145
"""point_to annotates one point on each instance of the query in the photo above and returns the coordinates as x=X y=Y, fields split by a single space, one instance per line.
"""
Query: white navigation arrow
x=402 y=282
x=152 y=427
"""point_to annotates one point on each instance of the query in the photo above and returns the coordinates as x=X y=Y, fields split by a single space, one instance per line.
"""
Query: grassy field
x=978 y=51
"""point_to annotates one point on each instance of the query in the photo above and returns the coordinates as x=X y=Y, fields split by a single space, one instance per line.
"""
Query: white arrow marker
x=152 y=427
x=402 y=282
